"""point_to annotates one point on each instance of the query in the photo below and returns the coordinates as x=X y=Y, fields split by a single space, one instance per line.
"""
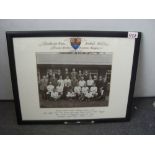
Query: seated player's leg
x=102 y=94
x=45 y=95
x=57 y=97
x=68 y=95
x=48 y=94
x=82 y=97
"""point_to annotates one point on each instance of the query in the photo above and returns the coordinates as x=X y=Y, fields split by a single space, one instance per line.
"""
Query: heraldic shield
x=75 y=42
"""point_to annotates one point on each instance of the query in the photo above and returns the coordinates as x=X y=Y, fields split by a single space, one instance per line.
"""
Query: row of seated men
x=73 y=87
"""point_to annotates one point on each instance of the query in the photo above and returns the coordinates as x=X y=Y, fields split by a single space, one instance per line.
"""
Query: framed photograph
x=73 y=76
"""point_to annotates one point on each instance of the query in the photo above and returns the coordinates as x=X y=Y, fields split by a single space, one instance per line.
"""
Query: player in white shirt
x=77 y=90
x=61 y=81
x=50 y=88
x=59 y=89
x=70 y=94
x=90 y=82
x=82 y=82
x=85 y=89
x=93 y=89
x=55 y=95
x=89 y=95
x=67 y=81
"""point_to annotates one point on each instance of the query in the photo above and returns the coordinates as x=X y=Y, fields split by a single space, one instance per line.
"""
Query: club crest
x=75 y=42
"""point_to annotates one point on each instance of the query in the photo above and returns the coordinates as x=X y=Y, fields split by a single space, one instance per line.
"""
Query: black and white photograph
x=67 y=80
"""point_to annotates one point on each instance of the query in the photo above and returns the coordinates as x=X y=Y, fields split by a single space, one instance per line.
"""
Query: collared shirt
x=82 y=83
x=85 y=89
x=54 y=95
x=59 y=89
x=50 y=88
x=93 y=89
x=67 y=82
x=90 y=82
x=61 y=82
x=77 y=89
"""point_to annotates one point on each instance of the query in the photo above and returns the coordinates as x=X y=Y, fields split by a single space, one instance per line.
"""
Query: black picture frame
x=20 y=34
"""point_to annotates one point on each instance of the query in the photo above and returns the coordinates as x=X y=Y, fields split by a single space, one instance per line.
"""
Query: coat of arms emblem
x=75 y=42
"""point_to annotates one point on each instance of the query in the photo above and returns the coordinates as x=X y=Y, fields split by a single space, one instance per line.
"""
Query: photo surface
x=67 y=80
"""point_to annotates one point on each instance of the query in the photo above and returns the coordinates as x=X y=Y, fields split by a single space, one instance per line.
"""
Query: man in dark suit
x=73 y=74
x=86 y=75
x=53 y=80
x=79 y=75
x=58 y=74
x=66 y=73
x=100 y=87
x=74 y=82
x=49 y=73
x=43 y=86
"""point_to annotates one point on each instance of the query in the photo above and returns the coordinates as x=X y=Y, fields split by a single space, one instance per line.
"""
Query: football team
x=80 y=85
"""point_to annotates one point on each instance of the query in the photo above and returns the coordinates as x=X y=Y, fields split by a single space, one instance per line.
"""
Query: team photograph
x=73 y=85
